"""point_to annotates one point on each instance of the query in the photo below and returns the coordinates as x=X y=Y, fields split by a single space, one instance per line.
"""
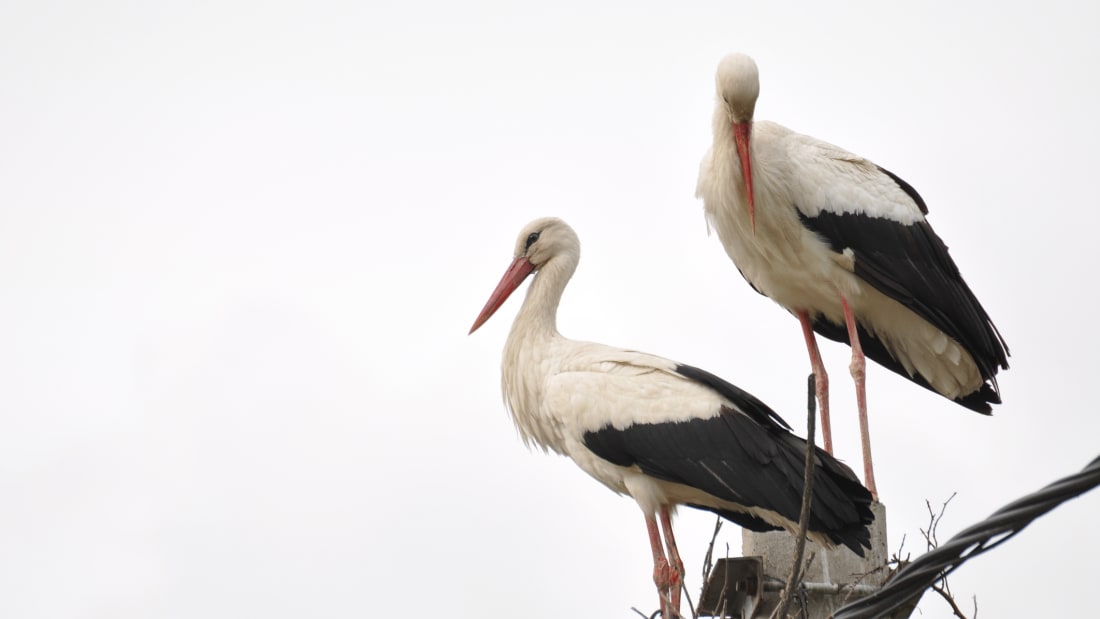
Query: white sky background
x=241 y=245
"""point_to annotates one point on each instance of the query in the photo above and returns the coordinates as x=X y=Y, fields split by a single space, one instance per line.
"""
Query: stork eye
x=531 y=238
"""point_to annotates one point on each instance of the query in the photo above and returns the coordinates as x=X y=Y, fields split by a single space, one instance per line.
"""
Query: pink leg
x=858 y=368
x=676 y=566
x=661 y=576
x=821 y=378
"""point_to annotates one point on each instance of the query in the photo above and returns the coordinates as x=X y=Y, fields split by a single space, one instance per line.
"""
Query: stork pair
x=839 y=242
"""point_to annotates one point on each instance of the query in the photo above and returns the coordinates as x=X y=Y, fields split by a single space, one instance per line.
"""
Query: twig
x=946 y=595
x=934 y=522
x=931 y=539
x=687 y=596
x=804 y=516
x=708 y=559
x=897 y=555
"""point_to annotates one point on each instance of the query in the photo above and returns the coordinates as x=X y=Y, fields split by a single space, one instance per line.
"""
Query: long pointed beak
x=518 y=271
x=741 y=132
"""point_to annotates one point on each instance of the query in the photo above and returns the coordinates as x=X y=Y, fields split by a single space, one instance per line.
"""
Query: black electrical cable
x=912 y=580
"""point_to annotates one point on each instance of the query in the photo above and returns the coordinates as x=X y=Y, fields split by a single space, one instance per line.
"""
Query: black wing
x=742 y=400
x=735 y=458
x=910 y=264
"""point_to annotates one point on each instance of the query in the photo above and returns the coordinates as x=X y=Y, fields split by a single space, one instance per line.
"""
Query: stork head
x=542 y=242
x=738 y=84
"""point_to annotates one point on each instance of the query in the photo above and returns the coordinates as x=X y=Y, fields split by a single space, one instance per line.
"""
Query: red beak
x=520 y=268
x=741 y=133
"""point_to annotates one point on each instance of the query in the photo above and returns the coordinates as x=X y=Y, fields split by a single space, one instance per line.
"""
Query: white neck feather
x=528 y=353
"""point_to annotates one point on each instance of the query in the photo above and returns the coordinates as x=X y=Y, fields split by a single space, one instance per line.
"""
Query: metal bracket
x=734 y=588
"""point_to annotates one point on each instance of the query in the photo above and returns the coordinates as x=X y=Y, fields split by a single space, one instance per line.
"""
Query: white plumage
x=844 y=245
x=663 y=433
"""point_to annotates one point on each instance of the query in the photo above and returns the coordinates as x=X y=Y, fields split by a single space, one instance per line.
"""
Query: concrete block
x=832 y=576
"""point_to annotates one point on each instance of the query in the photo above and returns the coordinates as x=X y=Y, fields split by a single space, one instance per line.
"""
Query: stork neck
x=530 y=344
x=539 y=314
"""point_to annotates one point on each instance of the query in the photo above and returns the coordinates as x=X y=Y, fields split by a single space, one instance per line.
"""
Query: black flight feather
x=737 y=457
x=910 y=264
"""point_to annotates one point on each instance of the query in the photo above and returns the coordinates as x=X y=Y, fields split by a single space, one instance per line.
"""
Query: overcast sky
x=241 y=244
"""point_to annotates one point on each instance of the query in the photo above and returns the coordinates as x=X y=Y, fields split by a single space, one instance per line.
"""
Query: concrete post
x=832 y=577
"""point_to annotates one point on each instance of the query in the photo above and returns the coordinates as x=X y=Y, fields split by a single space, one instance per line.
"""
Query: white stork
x=664 y=433
x=843 y=244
